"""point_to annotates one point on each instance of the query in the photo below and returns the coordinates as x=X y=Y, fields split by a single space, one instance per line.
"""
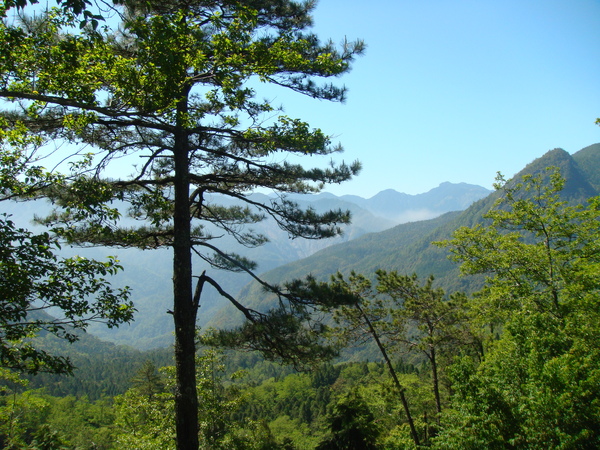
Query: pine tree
x=170 y=88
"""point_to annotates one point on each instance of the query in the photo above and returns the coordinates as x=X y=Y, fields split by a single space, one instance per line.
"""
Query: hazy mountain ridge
x=148 y=273
x=403 y=208
x=370 y=242
x=398 y=207
x=152 y=326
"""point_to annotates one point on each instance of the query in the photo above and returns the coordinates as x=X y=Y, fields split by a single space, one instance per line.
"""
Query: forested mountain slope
x=588 y=161
x=407 y=248
x=101 y=368
x=148 y=273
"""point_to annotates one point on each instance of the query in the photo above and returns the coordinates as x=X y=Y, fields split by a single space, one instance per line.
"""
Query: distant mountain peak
x=389 y=192
x=407 y=247
x=580 y=181
x=588 y=161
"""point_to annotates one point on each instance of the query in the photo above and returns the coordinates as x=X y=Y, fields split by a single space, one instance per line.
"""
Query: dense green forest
x=475 y=330
x=515 y=365
x=262 y=406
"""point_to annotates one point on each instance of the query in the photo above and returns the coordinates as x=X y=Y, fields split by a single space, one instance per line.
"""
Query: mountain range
x=391 y=231
x=148 y=273
x=407 y=247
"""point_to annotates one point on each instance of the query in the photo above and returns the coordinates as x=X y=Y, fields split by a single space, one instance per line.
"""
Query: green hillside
x=101 y=368
x=407 y=248
x=588 y=161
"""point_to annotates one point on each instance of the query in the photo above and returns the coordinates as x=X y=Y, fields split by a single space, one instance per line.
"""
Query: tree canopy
x=536 y=386
x=41 y=291
x=36 y=282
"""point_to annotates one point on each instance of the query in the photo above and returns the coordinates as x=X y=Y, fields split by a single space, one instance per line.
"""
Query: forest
x=487 y=336
x=511 y=365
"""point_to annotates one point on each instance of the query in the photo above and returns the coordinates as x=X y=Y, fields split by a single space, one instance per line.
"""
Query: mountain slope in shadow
x=407 y=248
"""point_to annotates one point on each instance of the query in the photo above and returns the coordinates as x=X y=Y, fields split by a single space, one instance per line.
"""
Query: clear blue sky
x=452 y=90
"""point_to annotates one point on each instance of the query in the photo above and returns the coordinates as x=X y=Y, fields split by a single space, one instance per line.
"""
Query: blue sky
x=452 y=90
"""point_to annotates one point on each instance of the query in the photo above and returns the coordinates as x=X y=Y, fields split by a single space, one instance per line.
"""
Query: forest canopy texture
x=515 y=365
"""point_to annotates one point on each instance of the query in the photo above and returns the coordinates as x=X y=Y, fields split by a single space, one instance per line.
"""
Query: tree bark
x=184 y=309
x=436 y=384
x=411 y=424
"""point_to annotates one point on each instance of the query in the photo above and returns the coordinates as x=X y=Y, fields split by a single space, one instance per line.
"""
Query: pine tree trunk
x=184 y=310
x=392 y=371
x=436 y=384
